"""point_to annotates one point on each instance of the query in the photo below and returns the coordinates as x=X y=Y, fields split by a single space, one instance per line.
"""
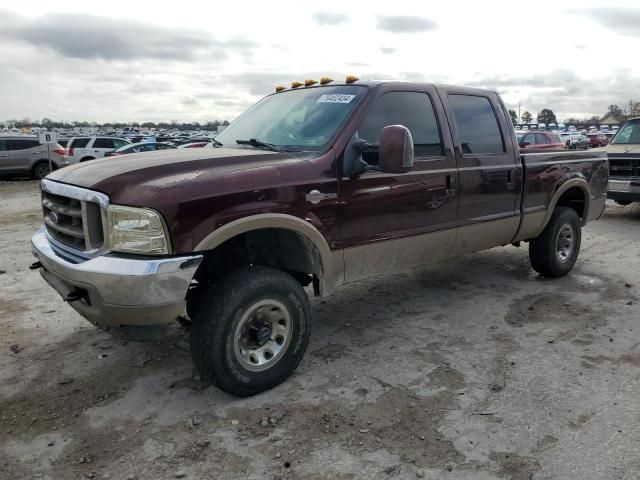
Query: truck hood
x=620 y=149
x=137 y=176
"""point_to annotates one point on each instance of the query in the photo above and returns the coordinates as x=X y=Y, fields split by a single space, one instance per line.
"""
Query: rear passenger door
x=102 y=146
x=489 y=169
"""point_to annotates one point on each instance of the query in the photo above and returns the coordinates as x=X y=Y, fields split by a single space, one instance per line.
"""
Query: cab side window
x=415 y=111
x=541 y=139
x=478 y=128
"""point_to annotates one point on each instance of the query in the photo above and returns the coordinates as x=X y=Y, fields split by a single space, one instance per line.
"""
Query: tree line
x=621 y=114
x=173 y=125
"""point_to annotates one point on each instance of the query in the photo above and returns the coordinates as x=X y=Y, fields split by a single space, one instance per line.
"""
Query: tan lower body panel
x=395 y=255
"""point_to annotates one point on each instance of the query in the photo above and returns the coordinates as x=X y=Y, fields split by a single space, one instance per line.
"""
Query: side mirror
x=396 y=149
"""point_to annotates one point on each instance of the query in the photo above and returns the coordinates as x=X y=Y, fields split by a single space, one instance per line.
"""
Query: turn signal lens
x=352 y=78
x=296 y=84
x=279 y=88
x=309 y=82
x=325 y=80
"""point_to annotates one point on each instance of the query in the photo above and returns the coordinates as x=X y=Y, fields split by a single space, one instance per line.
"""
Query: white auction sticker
x=335 y=98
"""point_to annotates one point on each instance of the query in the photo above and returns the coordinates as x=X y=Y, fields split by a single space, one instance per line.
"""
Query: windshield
x=628 y=134
x=307 y=118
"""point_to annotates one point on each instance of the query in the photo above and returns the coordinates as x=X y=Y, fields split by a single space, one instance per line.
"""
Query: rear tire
x=41 y=170
x=624 y=203
x=86 y=159
x=250 y=330
x=555 y=251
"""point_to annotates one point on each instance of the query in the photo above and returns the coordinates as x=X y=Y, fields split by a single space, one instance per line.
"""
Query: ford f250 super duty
x=317 y=185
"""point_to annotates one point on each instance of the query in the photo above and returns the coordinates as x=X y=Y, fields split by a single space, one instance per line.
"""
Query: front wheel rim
x=565 y=242
x=262 y=335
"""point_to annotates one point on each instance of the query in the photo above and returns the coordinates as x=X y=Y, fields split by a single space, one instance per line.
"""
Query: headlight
x=136 y=230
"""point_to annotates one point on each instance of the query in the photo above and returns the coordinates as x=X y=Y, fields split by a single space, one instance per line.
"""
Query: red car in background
x=597 y=139
x=538 y=141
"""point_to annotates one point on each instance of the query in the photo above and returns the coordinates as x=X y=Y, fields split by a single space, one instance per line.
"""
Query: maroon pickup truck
x=314 y=186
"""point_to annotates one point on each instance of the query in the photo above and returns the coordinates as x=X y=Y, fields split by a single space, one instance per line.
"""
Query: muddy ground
x=473 y=369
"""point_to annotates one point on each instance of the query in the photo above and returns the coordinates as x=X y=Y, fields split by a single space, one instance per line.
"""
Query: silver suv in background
x=25 y=155
x=81 y=149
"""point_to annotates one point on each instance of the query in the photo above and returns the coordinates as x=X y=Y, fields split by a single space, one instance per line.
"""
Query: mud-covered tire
x=217 y=346
x=40 y=170
x=555 y=251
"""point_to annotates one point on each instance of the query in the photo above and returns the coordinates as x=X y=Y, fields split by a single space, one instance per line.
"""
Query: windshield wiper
x=254 y=142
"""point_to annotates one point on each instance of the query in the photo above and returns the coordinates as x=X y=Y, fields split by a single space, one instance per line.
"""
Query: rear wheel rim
x=565 y=242
x=262 y=335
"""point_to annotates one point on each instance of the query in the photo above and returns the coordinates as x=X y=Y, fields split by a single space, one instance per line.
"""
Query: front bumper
x=624 y=189
x=121 y=292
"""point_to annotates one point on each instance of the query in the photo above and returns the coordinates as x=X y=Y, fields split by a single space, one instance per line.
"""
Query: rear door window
x=478 y=129
x=79 y=142
x=22 y=144
x=103 y=143
x=415 y=111
x=541 y=139
x=3 y=145
x=119 y=143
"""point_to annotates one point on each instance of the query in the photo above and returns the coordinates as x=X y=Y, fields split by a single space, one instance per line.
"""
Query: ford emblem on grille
x=53 y=216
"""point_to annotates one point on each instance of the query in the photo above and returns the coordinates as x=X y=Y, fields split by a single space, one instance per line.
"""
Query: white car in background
x=574 y=140
x=81 y=149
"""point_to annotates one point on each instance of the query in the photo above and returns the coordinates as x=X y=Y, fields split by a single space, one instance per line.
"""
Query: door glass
x=119 y=143
x=22 y=144
x=3 y=145
x=541 y=139
x=530 y=139
x=103 y=143
x=477 y=124
x=415 y=111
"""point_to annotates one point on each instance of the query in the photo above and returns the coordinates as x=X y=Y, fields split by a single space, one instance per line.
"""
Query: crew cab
x=317 y=185
x=624 y=155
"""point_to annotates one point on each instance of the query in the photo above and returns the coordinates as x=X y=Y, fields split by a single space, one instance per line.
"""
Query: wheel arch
x=574 y=193
x=307 y=251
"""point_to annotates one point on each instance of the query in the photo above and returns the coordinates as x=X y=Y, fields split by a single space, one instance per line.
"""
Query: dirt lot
x=473 y=369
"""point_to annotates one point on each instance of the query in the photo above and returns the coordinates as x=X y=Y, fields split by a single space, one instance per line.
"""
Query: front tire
x=250 y=331
x=555 y=251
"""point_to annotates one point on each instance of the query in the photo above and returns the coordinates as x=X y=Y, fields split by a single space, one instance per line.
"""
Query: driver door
x=394 y=221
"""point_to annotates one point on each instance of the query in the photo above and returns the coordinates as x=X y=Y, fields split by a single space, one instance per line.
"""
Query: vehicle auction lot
x=471 y=369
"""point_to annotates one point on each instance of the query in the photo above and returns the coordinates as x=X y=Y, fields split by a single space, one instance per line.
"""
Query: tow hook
x=35 y=266
x=75 y=295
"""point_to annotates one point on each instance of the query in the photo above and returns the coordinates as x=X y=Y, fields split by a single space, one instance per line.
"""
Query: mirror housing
x=396 y=149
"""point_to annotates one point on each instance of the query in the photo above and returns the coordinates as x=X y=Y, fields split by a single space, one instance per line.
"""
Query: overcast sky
x=185 y=61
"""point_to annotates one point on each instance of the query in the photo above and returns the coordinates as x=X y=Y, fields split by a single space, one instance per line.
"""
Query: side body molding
x=331 y=264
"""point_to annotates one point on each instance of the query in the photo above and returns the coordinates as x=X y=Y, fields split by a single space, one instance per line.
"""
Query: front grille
x=624 y=167
x=75 y=223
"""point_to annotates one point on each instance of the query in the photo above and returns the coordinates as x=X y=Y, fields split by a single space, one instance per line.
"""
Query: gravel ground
x=473 y=369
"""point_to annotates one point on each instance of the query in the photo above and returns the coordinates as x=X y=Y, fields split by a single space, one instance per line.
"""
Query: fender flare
x=278 y=221
x=582 y=184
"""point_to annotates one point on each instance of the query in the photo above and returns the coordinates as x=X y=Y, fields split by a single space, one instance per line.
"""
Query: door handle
x=451 y=186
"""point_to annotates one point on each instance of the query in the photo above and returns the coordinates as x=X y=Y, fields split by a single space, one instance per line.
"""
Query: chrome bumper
x=120 y=292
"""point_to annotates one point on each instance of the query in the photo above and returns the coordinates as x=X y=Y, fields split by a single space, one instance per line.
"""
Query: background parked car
x=531 y=142
x=575 y=140
x=140 y=147
x=81 y=149
x=194 y=145
x=25 y=155
x=597 y=139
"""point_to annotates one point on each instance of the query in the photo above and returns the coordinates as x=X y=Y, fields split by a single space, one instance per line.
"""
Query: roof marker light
x=309 y=82
x=325 y=80
x=352 y=78
x=296 y=84
x=280 y=88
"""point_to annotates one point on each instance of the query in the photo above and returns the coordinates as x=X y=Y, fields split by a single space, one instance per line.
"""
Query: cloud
x=625 y=21
x=89 y=36
x=329 y=18
x=405 y=24
x=387 y=50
